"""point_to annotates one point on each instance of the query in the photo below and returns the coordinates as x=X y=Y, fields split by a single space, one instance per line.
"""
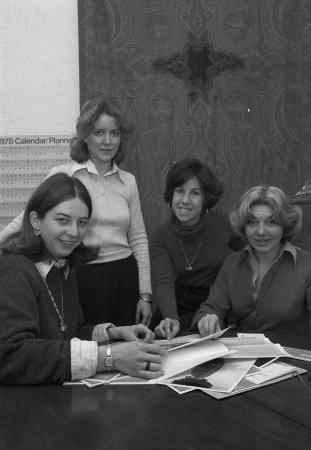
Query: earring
x=36 y=231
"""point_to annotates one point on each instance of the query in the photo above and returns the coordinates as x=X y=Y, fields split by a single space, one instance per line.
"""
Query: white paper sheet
x=185 y=358
x=246 y=385
x=225 y=379
x=185 y=341
x=252 y=347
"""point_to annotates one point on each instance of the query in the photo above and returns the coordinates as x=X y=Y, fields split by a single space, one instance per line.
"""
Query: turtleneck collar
x=192 y=231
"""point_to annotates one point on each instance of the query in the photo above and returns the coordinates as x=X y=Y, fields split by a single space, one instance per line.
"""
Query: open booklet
x=183 y=358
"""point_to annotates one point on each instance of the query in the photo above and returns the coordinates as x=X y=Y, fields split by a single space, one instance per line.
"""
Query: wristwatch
x=108 y=361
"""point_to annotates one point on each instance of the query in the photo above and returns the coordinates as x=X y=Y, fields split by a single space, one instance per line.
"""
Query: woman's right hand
x=209 y=324
x=167 y=328
x=139 y=359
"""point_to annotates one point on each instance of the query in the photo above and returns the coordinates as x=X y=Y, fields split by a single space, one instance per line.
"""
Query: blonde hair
x=287 y=215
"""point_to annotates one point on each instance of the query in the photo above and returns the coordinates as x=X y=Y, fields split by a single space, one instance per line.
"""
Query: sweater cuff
x=83 y=358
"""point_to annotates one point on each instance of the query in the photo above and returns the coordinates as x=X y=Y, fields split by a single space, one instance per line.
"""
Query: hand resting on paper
x=208 y=324
x=167 y=328
x=132 y=333
x=132 y=357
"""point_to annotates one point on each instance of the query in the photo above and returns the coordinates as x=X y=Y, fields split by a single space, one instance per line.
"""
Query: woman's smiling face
x=187 y=202
x=262 y=232
x=63 y=227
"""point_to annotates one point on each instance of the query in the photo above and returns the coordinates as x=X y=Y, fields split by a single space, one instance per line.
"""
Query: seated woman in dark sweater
x=267 y=286
x=43 y=337
x=187 y=252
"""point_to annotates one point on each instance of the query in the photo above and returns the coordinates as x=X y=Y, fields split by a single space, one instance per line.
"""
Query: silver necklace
x=62 y=324
x=190 y=263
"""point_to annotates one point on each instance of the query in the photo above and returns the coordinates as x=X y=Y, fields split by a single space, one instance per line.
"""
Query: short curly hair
x=188 y=168
x=90 y=112
x=286 y=214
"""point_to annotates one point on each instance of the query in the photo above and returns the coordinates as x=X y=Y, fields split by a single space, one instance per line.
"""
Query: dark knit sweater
x=32 y=347
x=172 y=281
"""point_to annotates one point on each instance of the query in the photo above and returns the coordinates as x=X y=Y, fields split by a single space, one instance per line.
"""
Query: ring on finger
x=147 y=366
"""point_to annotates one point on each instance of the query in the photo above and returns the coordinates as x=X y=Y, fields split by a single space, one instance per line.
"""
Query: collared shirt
x=83 y=353
x=254 y=263
x=45 y=266
x=283 y=303
x=116 y=225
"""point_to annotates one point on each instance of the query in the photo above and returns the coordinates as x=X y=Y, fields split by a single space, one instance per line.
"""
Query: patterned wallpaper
x=225 y=81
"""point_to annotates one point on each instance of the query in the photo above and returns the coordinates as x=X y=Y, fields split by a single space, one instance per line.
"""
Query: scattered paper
x=237 y=372
x=100 y=378
x=225 y=379
x=252 y=347
x=247 y=385
x=296 y=353
x=185 y=358
x=269 y=372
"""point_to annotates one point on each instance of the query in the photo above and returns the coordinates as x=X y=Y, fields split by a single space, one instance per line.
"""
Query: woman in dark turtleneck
x=187 y=252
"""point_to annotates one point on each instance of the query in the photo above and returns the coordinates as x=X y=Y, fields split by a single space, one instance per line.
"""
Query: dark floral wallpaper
x=226 y=81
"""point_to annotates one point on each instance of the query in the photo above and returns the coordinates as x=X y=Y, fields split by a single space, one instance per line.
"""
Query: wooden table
x=154 y=417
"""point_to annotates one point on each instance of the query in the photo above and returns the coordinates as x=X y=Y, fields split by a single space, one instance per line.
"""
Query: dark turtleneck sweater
x=205 y=245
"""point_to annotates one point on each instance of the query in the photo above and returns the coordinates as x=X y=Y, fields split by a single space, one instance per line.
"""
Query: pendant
x=189 y=268
x=63 y=327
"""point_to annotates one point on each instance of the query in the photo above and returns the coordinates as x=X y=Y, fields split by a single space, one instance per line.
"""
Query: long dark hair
x=54 y=190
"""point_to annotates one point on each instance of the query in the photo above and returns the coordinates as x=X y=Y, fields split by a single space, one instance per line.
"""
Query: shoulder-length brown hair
x=54 y=190
x=90 y=112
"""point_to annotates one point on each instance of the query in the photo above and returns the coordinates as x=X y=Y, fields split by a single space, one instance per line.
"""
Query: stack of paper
x=217 y=366
x=239 y=372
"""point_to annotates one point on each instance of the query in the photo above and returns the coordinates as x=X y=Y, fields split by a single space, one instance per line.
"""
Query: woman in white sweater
x=116 y=287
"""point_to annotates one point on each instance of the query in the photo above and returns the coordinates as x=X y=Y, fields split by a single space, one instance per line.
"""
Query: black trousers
x=109 y=291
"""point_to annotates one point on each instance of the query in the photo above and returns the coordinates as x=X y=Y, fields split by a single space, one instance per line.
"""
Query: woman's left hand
x=132 y=333
x=143 y=312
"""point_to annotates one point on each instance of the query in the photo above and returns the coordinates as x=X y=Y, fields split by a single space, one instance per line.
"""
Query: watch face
x=108 y=363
